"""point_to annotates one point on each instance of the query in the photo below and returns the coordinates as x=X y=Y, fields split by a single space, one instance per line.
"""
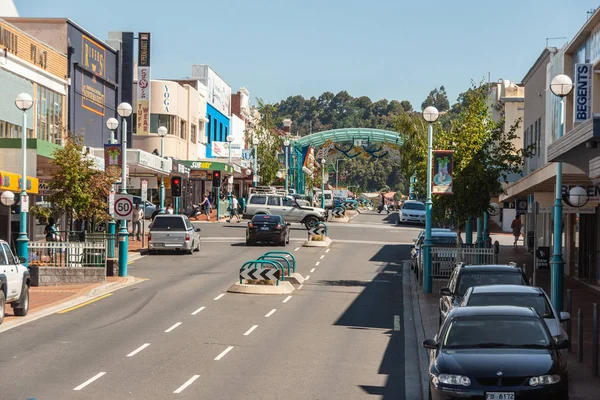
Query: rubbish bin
x=530 y=240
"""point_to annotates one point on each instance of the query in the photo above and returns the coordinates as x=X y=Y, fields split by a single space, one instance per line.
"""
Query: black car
x=439 y=237
x=465 y=276
x=268 y=228
x=496 y=353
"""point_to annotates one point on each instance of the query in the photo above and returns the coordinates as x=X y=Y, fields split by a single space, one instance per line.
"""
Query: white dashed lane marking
x=142 y=347
x=249 y=331
x=173 y=327
x=185 y=385
x=92 y=379
x=287 y=299
x=223 y=353
x=219 y=296
x=270 y=313
x=198 y=310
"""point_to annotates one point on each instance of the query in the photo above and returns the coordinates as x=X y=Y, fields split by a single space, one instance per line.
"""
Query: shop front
x=9 y=216
x=202 y=176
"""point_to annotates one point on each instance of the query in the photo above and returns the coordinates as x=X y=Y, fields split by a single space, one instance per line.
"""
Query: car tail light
x=187 y=237
x=250 y=225
x=149 y=236
x=278 y=226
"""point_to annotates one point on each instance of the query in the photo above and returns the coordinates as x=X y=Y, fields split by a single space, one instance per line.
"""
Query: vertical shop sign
x=143 y=89
x=583 y=92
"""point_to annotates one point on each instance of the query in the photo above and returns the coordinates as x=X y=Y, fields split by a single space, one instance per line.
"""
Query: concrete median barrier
x=318 y=236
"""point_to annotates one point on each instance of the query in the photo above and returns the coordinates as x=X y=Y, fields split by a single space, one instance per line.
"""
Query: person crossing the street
x=235 y=205
x=516 y=228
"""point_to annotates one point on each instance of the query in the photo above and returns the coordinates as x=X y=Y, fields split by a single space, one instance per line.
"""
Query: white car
x=14 y=282
x=412 y=211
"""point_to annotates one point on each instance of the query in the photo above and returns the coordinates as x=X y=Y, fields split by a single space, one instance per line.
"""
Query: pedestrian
x=170 y=209
x=138 y=215
x=206 y=204
x=235 y=205
x=516 y=229
x=51 y=232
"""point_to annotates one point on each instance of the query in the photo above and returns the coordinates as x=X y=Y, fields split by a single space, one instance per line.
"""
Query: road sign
x=338 y=212
x=124 y=207
x=265 y=274
x=144 y=195
x=317 y=230
x=111 y=203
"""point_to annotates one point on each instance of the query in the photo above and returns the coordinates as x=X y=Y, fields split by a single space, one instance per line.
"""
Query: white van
x=328 y=198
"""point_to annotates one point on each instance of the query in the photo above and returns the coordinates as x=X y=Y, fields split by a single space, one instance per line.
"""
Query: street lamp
x=124 y=110
x=430 y=114
x=112 y=124
x=286 y=144
x=561 y=86
x=162 y=132
x=24 y=102
x=229 y=139
x=323 y=161
x=255 y=143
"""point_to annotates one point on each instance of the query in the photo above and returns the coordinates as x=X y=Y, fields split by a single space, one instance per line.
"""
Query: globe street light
x=255 y=143
x=561 y=86
x=23 y=102
x=286 y=144
x=112 y=124
x=430 y=114
x=124 y=110
x=162 y=132
x=323 y=161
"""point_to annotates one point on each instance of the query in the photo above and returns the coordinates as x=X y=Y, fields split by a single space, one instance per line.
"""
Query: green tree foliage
x=270 y=144
x=437 y=98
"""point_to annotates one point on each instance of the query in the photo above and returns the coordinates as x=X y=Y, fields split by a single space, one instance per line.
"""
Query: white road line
x=270 y=313
x=173 y=327
x=327 y=251
x=307 y=277
x=312 y=270
x=227 y=350
x=300 y=287
x=287 y=299
x=396 y=322
x=185 y=385
x=219 y=296
x=198 y=310
x=323 y=256
x=297 y=248
x=92 y=379
x=142 y=347
x=318 y=262
x=249 y=331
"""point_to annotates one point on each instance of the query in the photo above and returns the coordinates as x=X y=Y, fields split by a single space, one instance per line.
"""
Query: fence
x=444 y=259
x=68 y=254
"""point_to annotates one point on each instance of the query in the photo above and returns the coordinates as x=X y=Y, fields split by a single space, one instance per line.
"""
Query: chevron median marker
x=338 y=212
x=317 y=230
x=264 y=274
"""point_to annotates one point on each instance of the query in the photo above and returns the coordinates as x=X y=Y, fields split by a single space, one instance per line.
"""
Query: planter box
x=53 y=276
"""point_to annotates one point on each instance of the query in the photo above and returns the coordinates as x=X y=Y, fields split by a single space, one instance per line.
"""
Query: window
x=414 y=206
x=469 y=279
x=534 y=137
x=49 y=115
x=539 y=137
x=274 y=201
x=182 y=129
x=215 y=129
x=258 y=200
x=537 y=301
x=221 y=132
x=287 y=202
x=9 y=255
x=208 y=130
x=193 y=133
x=226 y=132
x=8 y=130
x=157 y=120
x=266 y=218
x=168 y=224
x=3 y=258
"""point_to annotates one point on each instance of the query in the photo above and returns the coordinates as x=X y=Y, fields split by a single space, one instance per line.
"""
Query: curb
x=420 y=331
x=284 y=287
x=91 y=295
x=323 y=243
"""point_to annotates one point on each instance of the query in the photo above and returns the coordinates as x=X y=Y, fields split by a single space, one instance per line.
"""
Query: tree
x=406 y=106
x=438 y=99
x=80 y=190
x=270 y=144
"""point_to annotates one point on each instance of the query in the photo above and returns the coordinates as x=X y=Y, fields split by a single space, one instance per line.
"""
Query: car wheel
x=309 y=222
x=197 y=246
x=282 y=242
x=190 y=251
x=288 y=239
x=249 y=242
x=22 y=307
x=2 y=304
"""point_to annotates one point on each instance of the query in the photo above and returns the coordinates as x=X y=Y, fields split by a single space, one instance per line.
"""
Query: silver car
x=412 y=211
x=173 y=232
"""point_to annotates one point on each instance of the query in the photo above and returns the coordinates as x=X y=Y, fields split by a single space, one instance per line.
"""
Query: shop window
x=215 y=129
x=209 y=137
x=182 y=129
x=226 y=132
x=539 y=137
x=49 y=115
x=221 y=139
x=193 y=133
x=167 y=121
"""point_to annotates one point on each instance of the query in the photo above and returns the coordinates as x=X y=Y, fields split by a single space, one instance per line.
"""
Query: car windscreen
x=481 y=278
x=414 y=206
x=327 y=196
x=168 y=224
x=495 y=331
x=266 y=218
x=536 y=300
x=443 y=240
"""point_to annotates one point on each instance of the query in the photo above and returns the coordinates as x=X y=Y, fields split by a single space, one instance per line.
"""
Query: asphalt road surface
x=348 y=333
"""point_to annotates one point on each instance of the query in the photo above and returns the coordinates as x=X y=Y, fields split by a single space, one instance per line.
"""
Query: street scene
x=218 y=224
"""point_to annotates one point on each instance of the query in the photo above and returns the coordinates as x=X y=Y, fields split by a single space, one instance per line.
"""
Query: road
x=347 y=333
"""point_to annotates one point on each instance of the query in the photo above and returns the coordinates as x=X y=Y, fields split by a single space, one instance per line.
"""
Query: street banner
x=309 y=161
x=113 y=160
x=443 y=166
x=143 y=85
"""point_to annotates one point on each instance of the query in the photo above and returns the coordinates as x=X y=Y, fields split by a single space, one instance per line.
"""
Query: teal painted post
x=486 y=231
x=287 y=168
x=469 y=231
x=123 y=232
x=218 y=201
x=479 y=240
x=176 y=211
x=323 y=185
x=112 y=230
x=557 y=262
x=427 y=278
x=23 y=239
x=162 y=179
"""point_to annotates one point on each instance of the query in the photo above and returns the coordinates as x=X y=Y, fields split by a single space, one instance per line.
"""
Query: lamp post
x=561 y=86
x=8 y=199
x=23 y=102
x=255 y=143
x=162 y=132
x=323 y=161
x=124 y=110
x=229 y=139
x=286 y=143
x=430 y=114
x=112 y=124
x=337 y=170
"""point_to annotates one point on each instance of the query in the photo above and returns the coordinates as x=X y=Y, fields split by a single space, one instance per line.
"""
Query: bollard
x=595 y=341
x=580 y=335
x=569 y=292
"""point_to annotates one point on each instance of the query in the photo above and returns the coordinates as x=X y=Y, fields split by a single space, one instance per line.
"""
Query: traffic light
x=216 y=179
x=176 y=186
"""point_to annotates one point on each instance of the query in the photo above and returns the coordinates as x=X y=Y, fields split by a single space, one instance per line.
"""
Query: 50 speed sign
x=124 y=206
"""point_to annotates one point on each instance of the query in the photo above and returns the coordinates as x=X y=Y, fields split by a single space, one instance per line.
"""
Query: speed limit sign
x=124 y=206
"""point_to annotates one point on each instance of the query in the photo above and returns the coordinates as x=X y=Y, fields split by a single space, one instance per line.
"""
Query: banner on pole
x=443 y=166
x=113 y=160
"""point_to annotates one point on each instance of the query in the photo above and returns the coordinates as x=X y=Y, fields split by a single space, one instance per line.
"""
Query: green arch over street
x=349 y=135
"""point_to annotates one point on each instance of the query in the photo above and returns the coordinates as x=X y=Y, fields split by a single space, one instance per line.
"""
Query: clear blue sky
x=389 y=49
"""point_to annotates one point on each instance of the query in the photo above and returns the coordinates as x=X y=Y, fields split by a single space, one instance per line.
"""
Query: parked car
x=412 y=211
x=328 y=198
x=173 y=232
x=439 y=237
x=286 y=206
x=148 y=207
x=465 y=276
x=519 y=296
x=415 y=252
x=496 y=353
x=268 y=228
x=14 y=282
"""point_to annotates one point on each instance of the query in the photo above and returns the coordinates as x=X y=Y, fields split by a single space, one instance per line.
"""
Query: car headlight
x=447 y=379
x=544 y=380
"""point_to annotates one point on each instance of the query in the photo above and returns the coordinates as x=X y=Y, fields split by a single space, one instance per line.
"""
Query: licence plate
x=500 y=396
x=264 y=228
x=158 y=244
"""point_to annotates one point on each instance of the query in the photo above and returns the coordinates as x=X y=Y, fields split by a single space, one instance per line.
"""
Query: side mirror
x=198 y=230
x=22 y=260
x=446 y=292
x=565 y=316
x=430 y=344
x=561 y=344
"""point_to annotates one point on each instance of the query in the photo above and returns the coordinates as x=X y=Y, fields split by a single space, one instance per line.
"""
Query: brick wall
x=53 y=276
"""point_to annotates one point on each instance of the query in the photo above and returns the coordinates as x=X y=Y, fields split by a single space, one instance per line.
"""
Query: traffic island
x=246 y=287
x=267 y=275
x=318 y=236
x=341 y=218
x=352 y=213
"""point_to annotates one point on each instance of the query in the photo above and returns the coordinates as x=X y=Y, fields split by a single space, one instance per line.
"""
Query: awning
x=12 y=182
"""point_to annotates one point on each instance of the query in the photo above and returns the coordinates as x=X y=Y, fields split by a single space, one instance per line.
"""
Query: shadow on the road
x=347 y=283
x=389 y=254
x=391 y=218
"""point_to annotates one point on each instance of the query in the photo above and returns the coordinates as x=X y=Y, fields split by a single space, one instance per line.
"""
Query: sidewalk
x=583 y=385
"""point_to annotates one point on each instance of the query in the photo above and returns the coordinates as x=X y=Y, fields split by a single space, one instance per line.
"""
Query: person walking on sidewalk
x=138 y=214
x=516 y=229
x=170 y=209
x=206 y=204
x=235 y=205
